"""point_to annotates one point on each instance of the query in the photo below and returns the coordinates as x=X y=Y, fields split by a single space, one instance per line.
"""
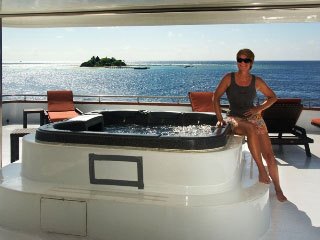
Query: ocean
x=289 y=79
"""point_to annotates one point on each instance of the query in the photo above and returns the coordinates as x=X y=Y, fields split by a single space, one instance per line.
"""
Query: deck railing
x=100 y=98
x=307 y=103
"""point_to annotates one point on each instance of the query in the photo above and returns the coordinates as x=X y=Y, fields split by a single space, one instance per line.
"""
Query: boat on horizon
x=141 y=68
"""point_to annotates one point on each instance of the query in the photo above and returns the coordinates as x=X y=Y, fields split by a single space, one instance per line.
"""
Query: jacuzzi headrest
x=81 y=123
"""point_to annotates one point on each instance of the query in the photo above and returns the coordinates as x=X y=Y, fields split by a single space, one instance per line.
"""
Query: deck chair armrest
x=78 y=111
x=301 y=133
x=299 y=130
x=46 y=116
x=224 y=109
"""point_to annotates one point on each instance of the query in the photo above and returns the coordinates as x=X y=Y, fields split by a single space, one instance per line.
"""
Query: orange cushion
x=60 y=101
x=201 y=101
x=316 y=121
x=59 y=116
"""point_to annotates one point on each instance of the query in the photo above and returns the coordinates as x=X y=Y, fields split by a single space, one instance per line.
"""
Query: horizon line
x=133 y=61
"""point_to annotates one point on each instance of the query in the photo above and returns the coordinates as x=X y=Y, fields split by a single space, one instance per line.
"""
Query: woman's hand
x=221 y=123
x=253 y=111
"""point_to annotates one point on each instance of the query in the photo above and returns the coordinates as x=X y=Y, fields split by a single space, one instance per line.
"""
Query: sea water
x=289 y=79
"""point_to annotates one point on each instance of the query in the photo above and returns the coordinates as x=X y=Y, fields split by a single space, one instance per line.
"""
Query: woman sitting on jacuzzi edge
x=245 y=118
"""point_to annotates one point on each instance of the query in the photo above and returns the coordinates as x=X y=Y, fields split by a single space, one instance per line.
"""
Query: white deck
x=299 y=218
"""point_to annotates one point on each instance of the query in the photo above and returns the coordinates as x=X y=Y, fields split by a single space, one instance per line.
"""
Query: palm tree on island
x=103 y=62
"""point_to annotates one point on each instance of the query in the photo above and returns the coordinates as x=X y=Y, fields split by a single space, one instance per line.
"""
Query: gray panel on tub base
x=64 y=216
x=116 y=158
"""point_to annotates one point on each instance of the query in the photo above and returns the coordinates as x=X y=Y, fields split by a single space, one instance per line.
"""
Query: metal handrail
x=136 y=98
x=308 y=103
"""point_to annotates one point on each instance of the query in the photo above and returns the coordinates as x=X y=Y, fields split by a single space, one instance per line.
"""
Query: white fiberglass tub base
x=164 y=170
x=117 y=212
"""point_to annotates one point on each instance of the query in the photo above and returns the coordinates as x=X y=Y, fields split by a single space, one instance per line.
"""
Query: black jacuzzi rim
x=89 y=129
x=47 y=133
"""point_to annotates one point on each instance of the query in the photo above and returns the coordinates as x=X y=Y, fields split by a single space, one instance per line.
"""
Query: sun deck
x=298 y=218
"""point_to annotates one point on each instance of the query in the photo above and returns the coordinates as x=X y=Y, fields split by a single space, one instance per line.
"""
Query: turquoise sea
x=293 y=79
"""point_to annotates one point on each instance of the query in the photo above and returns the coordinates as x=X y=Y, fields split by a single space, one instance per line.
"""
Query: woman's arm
x=268 y=92
x=270 y=95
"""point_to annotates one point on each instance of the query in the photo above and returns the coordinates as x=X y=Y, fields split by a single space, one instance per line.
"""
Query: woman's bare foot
x=264 y=178
x=280 y=196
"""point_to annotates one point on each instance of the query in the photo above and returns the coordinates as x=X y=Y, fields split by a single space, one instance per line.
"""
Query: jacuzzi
x=82 y=177
x=164 y=130
x=67 y=151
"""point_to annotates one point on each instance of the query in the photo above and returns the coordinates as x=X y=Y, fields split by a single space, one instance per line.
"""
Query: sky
x=291 y=41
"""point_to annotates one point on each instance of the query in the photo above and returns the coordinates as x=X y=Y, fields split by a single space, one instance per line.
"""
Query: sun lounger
x=201 y=101
x=315 y=122
x=61 y=106
x=281 y=118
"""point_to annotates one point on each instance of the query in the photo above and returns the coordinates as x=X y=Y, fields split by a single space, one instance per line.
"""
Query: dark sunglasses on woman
x=246 y=60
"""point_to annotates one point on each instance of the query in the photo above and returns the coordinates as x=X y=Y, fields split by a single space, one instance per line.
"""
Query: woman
x=246 y=119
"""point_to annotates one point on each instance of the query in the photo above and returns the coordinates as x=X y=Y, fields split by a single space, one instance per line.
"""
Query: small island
x=103 y=62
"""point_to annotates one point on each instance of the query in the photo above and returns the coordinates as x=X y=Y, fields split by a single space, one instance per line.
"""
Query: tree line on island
x=103 y=62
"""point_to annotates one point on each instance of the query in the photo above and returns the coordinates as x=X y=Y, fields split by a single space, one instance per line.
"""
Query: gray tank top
x=241 y=98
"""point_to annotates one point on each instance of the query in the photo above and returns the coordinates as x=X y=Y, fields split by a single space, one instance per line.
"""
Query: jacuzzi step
x=116 y=214
x=248 y=190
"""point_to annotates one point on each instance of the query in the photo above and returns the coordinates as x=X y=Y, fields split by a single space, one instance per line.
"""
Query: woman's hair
x=246 y=52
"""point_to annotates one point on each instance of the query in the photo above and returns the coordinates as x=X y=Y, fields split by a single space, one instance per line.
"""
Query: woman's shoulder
x=226 y=80
x=228 y=75
x=259 y=81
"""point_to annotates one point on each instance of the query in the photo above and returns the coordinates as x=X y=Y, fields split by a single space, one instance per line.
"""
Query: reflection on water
x=162 y=79
x=164 y=130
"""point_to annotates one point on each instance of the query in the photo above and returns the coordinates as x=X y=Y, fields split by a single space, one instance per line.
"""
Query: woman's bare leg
x=268 y=155
x=248 y=129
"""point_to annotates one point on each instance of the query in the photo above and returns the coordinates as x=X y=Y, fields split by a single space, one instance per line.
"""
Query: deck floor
x=298 y=218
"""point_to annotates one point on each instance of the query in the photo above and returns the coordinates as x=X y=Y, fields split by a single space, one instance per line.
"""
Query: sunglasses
x=246 y=60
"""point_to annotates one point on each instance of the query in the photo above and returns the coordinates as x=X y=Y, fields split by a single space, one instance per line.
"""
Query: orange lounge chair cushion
x=59 y=116
x=59 y=101
x=201 y=101
x=316 y=122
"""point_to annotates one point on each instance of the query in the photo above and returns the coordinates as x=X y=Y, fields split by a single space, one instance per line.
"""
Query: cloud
x=170 y=34
x=174 y=42
x=313 y=42
x=69 y=29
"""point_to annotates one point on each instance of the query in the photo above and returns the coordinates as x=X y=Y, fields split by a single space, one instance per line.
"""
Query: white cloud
x=174 y=42
x=170 y=34
x=69 y=29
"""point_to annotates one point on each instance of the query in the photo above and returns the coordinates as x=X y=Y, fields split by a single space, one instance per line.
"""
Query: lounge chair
x=315 y=122
x=201 y=101
x=281 y=118
x=61 y=106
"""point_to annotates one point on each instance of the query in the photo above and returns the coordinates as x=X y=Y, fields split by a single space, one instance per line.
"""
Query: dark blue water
x=300 y=79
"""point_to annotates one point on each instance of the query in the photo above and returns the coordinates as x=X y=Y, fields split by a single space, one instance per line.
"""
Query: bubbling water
x=164 y=130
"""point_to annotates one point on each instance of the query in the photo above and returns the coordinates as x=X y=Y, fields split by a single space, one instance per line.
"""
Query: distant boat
x=141 y=68
x=187 y=66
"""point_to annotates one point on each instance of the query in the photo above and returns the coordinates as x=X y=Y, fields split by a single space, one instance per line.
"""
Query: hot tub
x=88 y=151
x=138 y=128
x=83 y=178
